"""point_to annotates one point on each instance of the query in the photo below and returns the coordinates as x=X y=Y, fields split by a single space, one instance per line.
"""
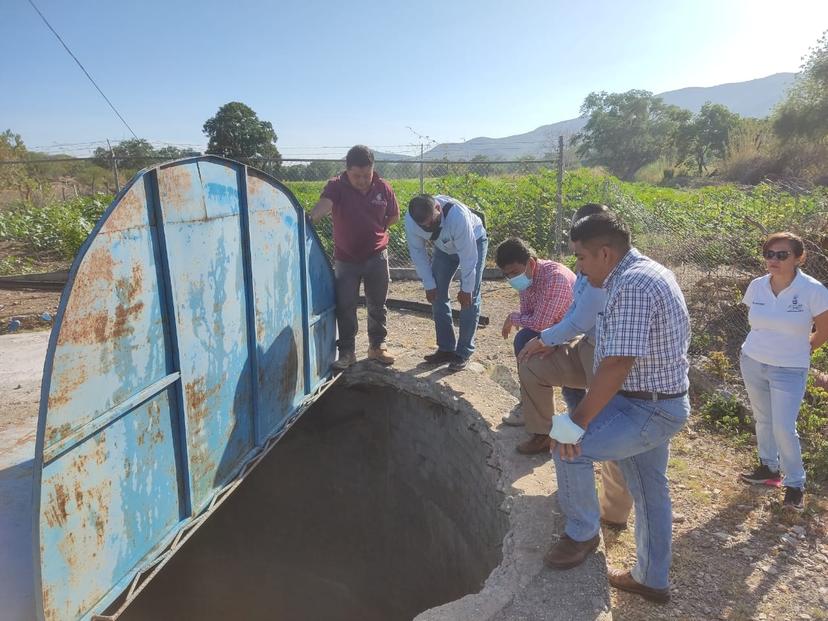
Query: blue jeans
x=523 y=336
x=444 y=266
x=775 y=395
x=636 y=434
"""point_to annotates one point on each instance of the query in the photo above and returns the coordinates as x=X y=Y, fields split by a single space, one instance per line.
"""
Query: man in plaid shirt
x=545 y=289
x=636 y=403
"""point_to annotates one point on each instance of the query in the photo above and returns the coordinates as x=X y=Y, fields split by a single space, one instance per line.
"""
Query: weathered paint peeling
x=191 y=278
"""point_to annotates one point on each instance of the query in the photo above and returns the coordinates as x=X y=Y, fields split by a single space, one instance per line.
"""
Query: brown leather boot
x=623 y=580
x=381 y=355
x=538 y=443
x=568 y=553
x=346 y=359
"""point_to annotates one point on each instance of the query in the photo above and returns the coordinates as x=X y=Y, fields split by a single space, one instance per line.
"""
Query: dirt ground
x=27 y=307
x=737 y=555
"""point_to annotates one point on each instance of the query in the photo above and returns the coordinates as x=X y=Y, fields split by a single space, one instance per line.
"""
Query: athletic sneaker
x=440 y=357
x=793 y=499
x=762 y=475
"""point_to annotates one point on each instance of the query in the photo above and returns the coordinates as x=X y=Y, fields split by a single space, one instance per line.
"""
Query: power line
x=66 y=47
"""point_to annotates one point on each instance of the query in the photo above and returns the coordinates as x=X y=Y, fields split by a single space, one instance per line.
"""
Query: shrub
x=57 y=229
x=727 y=415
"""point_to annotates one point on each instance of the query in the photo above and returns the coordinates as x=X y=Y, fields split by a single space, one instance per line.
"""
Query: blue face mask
x=520 y=282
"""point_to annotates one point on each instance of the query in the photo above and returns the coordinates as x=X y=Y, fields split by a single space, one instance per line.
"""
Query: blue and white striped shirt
x=459 y=233
x=645 y=317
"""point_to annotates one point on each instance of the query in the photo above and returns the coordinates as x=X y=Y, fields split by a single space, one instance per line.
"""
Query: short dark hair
x=794 y=241
x=359 y=156
x=590 y=209
x=421 y=206
x=513 y=250
x=605 y=229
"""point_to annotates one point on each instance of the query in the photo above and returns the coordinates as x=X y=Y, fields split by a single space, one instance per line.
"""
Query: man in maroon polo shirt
x=363 y=206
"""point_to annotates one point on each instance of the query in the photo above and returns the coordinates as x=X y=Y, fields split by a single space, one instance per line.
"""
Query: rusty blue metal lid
x=196 y=325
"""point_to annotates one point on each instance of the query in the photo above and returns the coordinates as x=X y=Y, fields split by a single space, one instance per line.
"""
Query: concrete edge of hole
x=520 y=587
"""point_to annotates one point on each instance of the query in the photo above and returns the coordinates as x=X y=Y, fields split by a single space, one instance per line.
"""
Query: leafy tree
x=236 y=132
x=137 y=153
x=11 y=145
x=132 y=153
x=706 y=135
x=804 y=114
x=12 y=175
x=174 y=153
x=322 y=171
x=626 y=131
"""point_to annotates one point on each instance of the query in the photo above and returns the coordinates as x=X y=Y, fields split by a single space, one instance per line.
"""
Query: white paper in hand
x=565 y=431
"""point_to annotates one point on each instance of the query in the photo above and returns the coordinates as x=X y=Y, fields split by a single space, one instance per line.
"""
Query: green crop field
x=709 y=236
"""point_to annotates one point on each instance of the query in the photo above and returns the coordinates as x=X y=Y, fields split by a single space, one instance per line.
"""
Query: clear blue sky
x=331 y=74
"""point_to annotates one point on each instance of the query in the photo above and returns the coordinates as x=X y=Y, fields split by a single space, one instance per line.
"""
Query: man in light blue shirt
x=546 y=362
x=459 y=241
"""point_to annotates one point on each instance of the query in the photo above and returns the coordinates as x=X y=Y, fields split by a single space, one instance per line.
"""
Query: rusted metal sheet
x=196 y=324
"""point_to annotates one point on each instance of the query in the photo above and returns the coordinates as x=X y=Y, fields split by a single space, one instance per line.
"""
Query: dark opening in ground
x=376 y=506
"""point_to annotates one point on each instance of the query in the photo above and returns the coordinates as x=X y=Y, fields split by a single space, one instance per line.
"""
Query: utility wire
x=66 y=47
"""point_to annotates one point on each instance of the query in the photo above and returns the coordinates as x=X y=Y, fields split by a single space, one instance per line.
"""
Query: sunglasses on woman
x=776 y=254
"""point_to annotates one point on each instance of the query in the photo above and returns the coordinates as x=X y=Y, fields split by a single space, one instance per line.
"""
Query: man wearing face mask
x=545 y=289
x=459 y=241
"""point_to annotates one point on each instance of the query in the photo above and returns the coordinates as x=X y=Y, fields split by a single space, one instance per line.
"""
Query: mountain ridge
x=752 y=98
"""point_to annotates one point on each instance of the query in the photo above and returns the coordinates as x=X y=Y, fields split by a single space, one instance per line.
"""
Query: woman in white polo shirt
x=784 y=306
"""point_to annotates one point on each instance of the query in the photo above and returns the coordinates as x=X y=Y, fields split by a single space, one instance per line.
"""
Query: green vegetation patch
x=57 y=229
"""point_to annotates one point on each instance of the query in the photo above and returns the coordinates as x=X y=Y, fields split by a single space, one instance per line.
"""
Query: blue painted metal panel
x=205 y=264
x=112 y=342
x=321 y=310
x=277 y=270
x=107 y=505
x=198 y=318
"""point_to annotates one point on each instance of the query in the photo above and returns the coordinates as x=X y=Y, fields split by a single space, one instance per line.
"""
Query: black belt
x=650 y=396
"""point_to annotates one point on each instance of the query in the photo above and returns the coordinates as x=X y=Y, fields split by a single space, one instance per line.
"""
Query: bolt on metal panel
x=196 y=325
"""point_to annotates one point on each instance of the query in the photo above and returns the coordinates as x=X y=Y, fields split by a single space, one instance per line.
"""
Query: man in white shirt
x=459 y=241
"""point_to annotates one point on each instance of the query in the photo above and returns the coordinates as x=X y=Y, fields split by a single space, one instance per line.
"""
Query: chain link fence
x=709 y=237
x=482 y=185
x=715 y=256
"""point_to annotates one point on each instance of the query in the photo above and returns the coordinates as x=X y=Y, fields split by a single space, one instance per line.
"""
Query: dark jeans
x=374 y=273
x=523 y=336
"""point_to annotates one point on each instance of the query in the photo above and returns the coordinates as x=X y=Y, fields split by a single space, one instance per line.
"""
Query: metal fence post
x=559 y=199
x=114 y=167
x=422 y=179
